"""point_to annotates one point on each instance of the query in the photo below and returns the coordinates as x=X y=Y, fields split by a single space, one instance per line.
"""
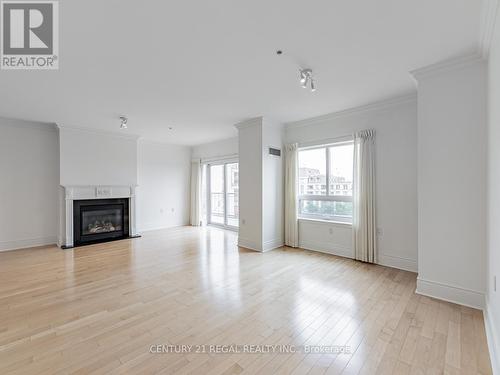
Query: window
x=332 y=166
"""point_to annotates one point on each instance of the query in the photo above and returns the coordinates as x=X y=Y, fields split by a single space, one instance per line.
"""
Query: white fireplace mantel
x=72 y=193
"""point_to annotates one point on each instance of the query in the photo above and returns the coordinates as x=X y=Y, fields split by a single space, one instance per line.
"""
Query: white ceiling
x=202 y=66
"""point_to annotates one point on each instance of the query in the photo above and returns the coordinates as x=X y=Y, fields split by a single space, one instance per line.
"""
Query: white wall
x=219 y=149
x=493 y=246
x=330 y=238
x=272 y=189
x=164 y=185
x=452 y=181
x=395 y=122
x=250 y=179
x=29 y=174
x=97 y=158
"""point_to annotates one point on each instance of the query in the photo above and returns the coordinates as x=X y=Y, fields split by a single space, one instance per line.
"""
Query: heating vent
x=274 y=151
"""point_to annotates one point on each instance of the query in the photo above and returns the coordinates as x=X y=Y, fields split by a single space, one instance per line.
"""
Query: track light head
x=306 y=77
x=124 y=121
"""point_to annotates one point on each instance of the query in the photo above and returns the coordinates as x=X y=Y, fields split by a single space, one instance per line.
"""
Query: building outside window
x=326 y=174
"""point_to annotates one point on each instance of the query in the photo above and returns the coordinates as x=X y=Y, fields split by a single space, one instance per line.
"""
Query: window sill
x=324 y=221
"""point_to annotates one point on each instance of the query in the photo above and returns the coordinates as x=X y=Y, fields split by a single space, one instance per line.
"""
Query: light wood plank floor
x=99 y=309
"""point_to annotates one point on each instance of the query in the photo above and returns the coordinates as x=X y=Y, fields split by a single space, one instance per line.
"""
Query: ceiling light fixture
x=124 y=121
x=313 y=87
x=306 y=77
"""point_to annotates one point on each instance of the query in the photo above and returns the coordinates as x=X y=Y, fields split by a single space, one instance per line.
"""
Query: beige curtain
x=364 y=216
x=195 y=193
x=291 y=171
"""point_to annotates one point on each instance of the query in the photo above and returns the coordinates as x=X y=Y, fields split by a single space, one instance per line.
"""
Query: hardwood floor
x=102 y=309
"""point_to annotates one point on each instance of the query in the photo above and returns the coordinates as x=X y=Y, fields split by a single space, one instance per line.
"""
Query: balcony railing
x=217 y=205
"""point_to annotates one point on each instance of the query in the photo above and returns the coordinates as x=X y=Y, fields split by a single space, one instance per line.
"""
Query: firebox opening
x=99 y=220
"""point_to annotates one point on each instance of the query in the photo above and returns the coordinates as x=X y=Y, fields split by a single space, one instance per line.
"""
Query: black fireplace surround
x=100 y=220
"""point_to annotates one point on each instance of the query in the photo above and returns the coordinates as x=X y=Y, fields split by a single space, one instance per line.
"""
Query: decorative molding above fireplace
x=72 y=193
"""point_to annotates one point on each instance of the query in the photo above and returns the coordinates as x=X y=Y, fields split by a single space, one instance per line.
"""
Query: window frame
x=327 y=197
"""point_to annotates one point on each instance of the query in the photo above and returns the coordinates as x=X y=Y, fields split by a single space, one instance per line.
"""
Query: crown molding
x=160 y=143
x=224 y=158
x=447 y=65
x=17 y=123
x=249 y=123
x=99 y=132
x=375 y=106
x=216 y=141
x=488 y=19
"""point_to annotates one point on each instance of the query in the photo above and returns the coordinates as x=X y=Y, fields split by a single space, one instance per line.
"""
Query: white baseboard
x=248 y=244
x=347 y=252
x=31 y=242
x=493 y=340
x=272 y=244
x=151 y=227
x=339 y=250
x=450 y=293
x=398 y=262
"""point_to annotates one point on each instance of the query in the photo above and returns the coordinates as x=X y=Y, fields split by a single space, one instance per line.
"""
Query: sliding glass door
x=216 y=204
x=232 y=195
x=223 y=194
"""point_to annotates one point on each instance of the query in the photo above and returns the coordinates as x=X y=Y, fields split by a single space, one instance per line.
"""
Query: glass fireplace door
x=98 y=220
x=102 y=221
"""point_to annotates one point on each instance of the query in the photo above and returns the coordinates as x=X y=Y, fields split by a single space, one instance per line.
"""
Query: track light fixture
x=124 y=121
x=306 y=78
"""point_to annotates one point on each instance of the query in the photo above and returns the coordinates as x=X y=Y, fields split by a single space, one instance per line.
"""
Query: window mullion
x=327 y=149
x=224 y=174
x=209 y=195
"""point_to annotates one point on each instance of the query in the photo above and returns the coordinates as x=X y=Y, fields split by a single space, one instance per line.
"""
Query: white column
x=261 y=185
x=452 y=180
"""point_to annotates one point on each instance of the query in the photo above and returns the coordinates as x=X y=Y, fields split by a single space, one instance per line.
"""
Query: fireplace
x=100 y=220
